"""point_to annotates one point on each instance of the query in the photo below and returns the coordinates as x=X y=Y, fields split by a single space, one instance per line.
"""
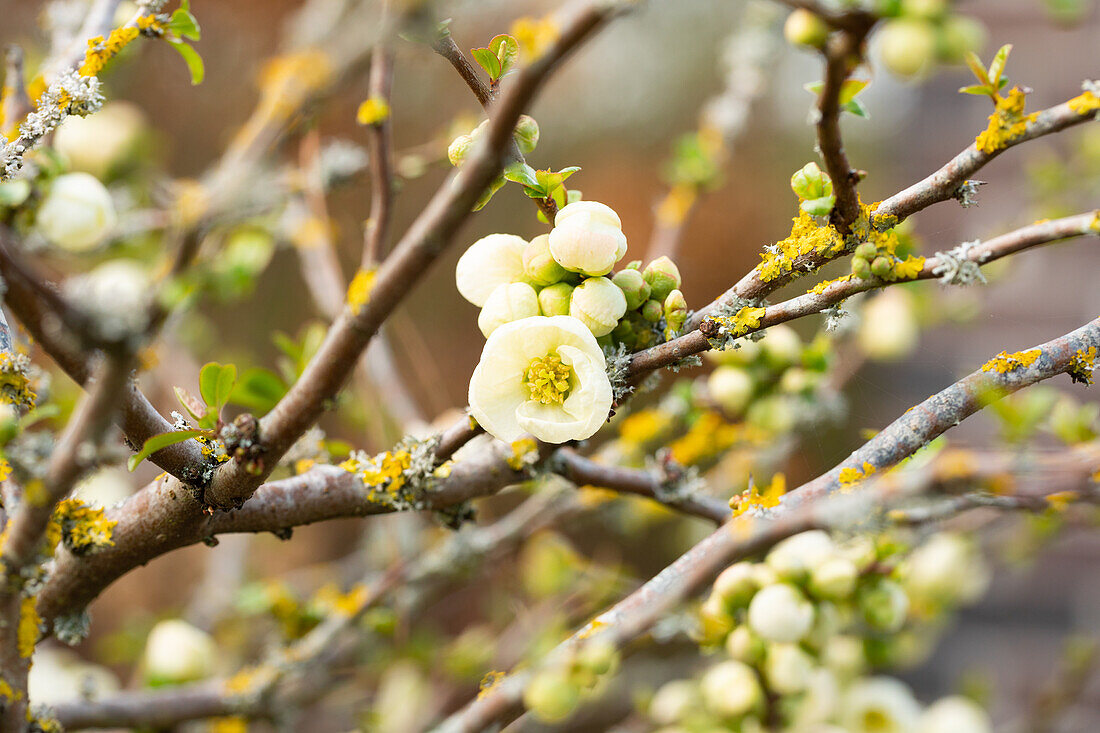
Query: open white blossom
x=490 y=262
x=587 y=238
x=508 y=303
x=542 y=375
x=77 y=213
x=879 y=705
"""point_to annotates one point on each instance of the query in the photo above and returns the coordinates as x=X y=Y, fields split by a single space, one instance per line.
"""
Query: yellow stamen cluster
x=548 y=380
x=1006 y=362
x=1007 y=122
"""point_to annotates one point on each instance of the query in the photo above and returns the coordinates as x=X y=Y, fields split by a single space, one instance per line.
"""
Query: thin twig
x=380 y=148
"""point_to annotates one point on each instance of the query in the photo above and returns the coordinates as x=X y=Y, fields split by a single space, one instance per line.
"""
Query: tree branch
x=380 y=149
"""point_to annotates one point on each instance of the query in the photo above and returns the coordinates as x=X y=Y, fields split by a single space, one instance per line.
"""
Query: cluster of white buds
x=801 y=629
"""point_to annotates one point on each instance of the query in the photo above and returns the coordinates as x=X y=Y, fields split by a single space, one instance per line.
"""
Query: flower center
x=547 y=379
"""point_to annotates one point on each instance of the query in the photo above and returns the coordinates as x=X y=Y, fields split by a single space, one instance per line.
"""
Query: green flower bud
x=782 y=347
x=881 y=266
x=539 y=265
x=676 y=310
x=551 y=696
x=959 y=35
x=526 y=134
x=634 y=287
x=652 y=311
x=884 y=605
x=861 y=268
x=787 y=668
x=731 y=387
x=554 y=300
x=745 y=646
x=773 y=413
x=598 y=304
x=624 y=333
x=908 y=46
x=459 y=149
x=598 y=657
x=804 y=28
x=867 y=251
x=663 y=277
x=810 y=182
x=633 y=265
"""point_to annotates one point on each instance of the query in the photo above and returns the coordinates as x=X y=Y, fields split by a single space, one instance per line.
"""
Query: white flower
x=599 y=304
x=587 y=238
x=77 y=213
x=542 y=375
x=947 y=569
x=889 y=330
x=879 y=705
x=96 y=142
x=489 y=262
x=955 y=714
x=788 y=668
x=508 y=303
x=178 y=652
x=796 y=556
x=781 y=613
x=730 y=688
x=731 y=387
x=117 y=294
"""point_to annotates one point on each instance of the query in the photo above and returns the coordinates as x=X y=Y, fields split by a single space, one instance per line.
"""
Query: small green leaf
x=519 y=172
x=216 y=383
x=192 y=59
x=506 y=49
x=184 y=24
x=157 y=442
x=996 y=69
x=850 y=88
x=258 y=390
x=819 y=207
x=856 y=108
x=487 y=60
x=195 y=408
x=977 y=67
x=560 y=196
x=976 y=89
x=226 y=381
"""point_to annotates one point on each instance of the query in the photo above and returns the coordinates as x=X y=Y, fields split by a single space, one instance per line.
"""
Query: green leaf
x=163 y=440
x=195 y=408
x=856 y=108
x=977 y=67
x=560 y=196
x=819 y=207
x=216 y=383
x=226 y=381
x=258 y=390
x=519 y=172
x=850 y=88
x=487 y=60
x=506 y=49
x=814 y=87
x=192 y=59
x=977 y=89
x=184 y=24
x=996 y=69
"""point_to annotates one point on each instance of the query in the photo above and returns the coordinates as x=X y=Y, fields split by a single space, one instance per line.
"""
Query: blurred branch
x=380 y=148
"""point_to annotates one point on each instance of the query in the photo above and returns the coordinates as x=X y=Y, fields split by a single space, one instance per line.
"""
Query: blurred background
x=615 y=109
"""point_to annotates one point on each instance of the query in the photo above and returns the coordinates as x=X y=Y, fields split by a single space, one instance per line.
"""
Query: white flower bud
x=117 y=294
x=730 y=689
x=947 y=569
x=551 y=696
x=745 y=646
x=587 y=238
x=955 y=714
x=77 y=213
x=796 y=556
x=884 y=605
x=507 y=303
x=59 y=676
x=782 y=346
x=879 y=704
x=819 y=703
x=731 y=387
x=844 y=655
x=674 y=701
x=834 y=579
x=861 y=550
x=787 y=668
x=599 y=304
x=736 y=584
x=780 y=613
x=489 y=262
x=177 y=652
x=745 y=353
x=93 y=144
x=554 y=299
x=889 y=330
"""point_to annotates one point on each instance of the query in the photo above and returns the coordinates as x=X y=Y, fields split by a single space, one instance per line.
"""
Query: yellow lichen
x=849 y=475
x=534 y=35
x=7 y=693
x=329 y=599
x=909 y=268
x=1060 y=500
x=29 y=626
x=644 y=426
x=822 y=286
x=83 y=527
x=234 y=724
x=806 y=237
x=5 y=469
x=101 y=50
x=373 y=111
x=359 y=290
x=1085 y=103
x=488 y=682
x=1005 y=362
x=593 y=627
x=1007 y=122
x=15 y=387
x=708 y=437
x=754 y=498
x=525 y=452
x=1082 y=365
x=383 y=475
x=243 y=681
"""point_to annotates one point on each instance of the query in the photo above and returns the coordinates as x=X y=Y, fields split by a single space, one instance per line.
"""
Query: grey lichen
x=957 y=267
